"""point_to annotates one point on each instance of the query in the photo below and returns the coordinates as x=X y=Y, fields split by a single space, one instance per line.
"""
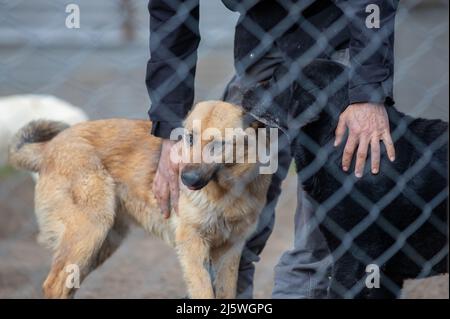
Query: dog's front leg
x=193 y=252
x=226 y=262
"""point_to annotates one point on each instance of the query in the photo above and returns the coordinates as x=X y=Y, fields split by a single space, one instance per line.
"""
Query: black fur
x=403 y=209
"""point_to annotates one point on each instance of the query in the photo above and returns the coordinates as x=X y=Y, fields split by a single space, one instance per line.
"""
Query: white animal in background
x=18 y=110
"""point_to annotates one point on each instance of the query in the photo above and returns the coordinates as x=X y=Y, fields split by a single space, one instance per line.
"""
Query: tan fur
x=95 y=175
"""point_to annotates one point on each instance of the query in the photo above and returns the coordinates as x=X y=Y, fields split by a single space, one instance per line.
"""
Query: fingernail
x=392 y=158
x=335 y=143
x=345 y=168
x=374 y=171
x=358 y=174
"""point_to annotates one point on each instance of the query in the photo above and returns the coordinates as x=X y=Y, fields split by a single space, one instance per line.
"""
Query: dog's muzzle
x=193 y=180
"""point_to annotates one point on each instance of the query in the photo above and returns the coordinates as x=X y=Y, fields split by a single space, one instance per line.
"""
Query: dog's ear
x=267 y=105
x=252 y=98
x=250 y=121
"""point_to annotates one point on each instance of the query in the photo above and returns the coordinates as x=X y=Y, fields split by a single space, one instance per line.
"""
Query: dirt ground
x=107 y=80
x=143 y=267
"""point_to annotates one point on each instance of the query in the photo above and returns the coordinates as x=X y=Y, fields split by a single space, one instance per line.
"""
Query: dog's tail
x=26 y=147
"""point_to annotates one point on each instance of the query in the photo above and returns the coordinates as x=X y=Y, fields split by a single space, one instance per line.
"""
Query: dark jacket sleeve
x=371 y=50
x=174 y=39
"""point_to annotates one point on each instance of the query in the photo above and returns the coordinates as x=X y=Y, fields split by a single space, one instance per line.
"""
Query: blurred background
x=100 y=68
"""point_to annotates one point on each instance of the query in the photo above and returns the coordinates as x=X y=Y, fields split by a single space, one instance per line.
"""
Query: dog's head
x=219 y=145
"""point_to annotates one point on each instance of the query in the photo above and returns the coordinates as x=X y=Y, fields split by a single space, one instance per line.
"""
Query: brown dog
x=95 y=175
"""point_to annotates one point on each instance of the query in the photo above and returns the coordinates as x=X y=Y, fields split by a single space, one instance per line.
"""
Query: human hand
x=166 y=185
x=368 y=124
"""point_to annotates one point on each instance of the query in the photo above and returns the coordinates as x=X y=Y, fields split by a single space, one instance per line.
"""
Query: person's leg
x=257 y=242
x=303 y=272
x=260 y=71
x=298 y=273
x=315 y=252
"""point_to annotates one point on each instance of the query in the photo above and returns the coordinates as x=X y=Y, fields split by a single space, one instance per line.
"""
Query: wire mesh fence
x=297 y=65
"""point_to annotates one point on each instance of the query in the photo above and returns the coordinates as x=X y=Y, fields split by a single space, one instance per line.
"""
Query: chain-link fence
x=395 y=221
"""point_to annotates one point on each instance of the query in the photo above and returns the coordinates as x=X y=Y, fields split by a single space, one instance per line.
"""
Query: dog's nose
x=191 y=179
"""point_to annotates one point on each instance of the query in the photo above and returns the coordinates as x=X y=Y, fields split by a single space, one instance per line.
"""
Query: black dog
x=396 y=219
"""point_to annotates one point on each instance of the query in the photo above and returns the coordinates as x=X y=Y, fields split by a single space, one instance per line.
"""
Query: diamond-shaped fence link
x=101 y=68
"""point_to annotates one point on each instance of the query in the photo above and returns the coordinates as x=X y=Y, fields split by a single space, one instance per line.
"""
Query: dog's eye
x=190 y=139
